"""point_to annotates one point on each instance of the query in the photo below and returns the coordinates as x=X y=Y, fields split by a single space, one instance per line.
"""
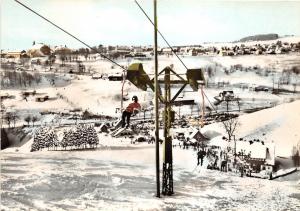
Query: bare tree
x=295 y=87
x=2 y=111
x=192 y=107
x=296 y=154
x=14 y=117
x=8 y=118
x=144 y=111
x=51 y=60
x=238 y=100
x=27 y=119
x=62 y=58
x=24 y=77
x=34 y=119
x=37 y=77
x=52 y=78
x=227 y=100
x=231 y=126
x=86 y=56
x=24 y=59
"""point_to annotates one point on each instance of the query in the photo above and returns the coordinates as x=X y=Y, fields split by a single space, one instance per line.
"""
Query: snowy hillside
x=279 y=125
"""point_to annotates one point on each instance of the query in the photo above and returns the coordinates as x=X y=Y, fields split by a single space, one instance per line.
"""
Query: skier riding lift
x=132 y=108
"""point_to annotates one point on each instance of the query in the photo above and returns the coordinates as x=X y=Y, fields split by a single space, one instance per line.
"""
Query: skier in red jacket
x=132 y=108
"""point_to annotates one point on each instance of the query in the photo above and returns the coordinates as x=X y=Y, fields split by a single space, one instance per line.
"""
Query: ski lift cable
x=160 y=33
x=210 y=102
x=203 y=106
x=112 y=61
x=202 y=91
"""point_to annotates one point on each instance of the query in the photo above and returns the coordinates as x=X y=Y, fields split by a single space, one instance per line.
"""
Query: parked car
x=226 y=94
x=261 y=88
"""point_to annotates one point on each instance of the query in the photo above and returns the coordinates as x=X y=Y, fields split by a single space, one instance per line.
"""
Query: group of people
x=217 y=159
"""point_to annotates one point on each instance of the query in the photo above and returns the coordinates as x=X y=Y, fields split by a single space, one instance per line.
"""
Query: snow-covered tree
x=39 y=139
x=82 y=136
x=44 y=138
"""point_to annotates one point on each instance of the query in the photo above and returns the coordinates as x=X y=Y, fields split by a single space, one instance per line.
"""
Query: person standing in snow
x=215 y=166
x=132 y=108
x=201 y=154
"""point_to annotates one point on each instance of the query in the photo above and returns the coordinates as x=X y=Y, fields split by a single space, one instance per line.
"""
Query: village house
x=14 y=54
x=137 y=49
x=197 y=137
x=193 y=52
x=64 y=50
x=261 y=155
x=115 y=77
x=39 y=50
x=167 y=51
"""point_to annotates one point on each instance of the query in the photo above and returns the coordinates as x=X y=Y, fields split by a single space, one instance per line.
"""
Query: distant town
x=65 y=53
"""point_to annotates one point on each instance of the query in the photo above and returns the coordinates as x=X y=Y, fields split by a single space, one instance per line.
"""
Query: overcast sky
x=112 y=22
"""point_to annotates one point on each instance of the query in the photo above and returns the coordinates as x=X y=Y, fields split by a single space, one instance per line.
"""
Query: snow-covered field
x=103 y=97
x=123 y=178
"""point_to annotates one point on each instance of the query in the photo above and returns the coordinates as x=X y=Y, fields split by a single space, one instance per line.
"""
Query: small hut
x=197 y=138
x=103 y=128
x=42 y=99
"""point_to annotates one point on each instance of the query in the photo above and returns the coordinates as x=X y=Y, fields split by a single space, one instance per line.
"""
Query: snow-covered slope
x=280 y=125
x=123 y=178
